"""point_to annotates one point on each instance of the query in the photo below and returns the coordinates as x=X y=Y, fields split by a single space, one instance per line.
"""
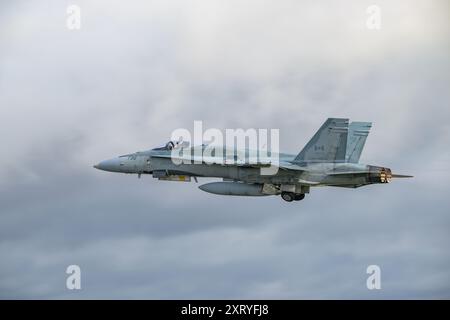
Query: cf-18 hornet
x=330 y=158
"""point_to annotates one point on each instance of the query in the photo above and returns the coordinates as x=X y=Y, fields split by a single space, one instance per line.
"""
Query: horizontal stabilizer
x=401 y=176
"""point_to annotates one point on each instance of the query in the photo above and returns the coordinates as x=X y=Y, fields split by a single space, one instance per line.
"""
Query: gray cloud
x=134 y=73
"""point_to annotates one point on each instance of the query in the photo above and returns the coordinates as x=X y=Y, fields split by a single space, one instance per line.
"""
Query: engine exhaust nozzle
x=379 y=174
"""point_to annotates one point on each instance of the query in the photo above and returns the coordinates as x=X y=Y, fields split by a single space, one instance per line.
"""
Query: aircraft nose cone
x=108 y=165
x=101 y=165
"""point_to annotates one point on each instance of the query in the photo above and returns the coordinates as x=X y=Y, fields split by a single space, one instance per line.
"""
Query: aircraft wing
x=264 y=163
x=344 y=173
x=214 y=160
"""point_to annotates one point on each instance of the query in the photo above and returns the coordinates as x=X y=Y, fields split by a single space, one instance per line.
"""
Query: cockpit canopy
x=173 y=145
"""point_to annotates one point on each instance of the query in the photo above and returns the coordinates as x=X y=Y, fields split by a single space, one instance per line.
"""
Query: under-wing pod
x=233 y=188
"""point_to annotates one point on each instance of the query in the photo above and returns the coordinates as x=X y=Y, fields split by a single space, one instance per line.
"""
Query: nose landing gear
x=290 y=196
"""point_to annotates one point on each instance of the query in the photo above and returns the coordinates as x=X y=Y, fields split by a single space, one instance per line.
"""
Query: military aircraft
x=330 y=158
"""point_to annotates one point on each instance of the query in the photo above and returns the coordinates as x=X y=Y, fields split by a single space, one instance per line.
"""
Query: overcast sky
x=137 y=70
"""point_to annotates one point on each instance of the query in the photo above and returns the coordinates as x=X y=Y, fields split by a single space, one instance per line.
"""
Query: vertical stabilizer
x=328 y=144
x=357 y=135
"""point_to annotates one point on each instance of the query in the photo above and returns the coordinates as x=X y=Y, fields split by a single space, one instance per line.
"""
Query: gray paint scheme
x=330 y=158
x=357 y=135
x=328 y=144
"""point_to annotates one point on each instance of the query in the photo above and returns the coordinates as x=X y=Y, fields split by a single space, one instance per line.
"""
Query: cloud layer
x=135 y=72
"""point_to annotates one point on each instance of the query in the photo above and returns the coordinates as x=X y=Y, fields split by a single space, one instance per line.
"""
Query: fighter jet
x=330 y=158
